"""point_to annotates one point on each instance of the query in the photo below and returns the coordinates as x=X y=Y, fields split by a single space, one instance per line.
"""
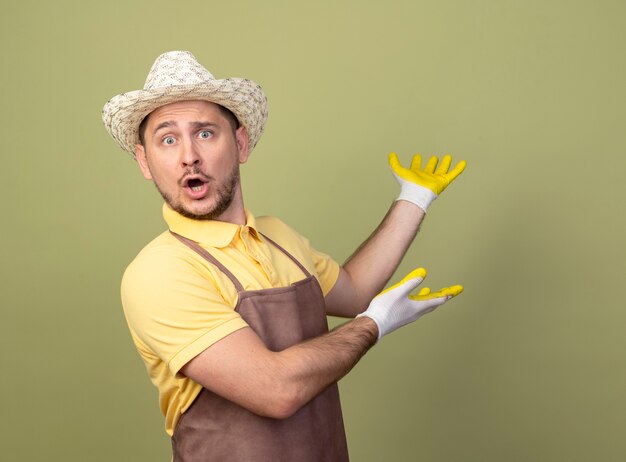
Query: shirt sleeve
x=174 y=307
x=327 y=269
x=324 y=267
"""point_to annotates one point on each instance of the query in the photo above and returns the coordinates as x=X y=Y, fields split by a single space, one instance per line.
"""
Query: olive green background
x=528 y=364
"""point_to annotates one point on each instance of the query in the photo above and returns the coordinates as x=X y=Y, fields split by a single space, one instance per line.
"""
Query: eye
x=169 y=140
x=205 y=134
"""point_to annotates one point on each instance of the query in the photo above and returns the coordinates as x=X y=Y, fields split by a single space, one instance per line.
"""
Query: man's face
x=192 y=154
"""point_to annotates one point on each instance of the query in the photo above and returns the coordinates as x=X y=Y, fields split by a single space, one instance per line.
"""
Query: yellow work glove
x=394 y=307
x=422 y=186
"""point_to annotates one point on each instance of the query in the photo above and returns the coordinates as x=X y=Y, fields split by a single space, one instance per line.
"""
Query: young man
x=228 y=311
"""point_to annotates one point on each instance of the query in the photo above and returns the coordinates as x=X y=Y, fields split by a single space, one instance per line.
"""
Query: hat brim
x=123 y=113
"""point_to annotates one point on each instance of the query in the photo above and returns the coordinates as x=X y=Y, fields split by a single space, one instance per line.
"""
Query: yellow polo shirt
x=177 y=304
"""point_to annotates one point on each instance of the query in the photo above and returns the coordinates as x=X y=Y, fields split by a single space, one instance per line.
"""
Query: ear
x=241 y=136
x=142 y=161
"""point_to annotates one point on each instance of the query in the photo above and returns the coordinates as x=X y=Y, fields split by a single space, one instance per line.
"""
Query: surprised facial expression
x=192 y=153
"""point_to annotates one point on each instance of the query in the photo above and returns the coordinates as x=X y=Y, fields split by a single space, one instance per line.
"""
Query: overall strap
x=293 y=259
x=195 y=247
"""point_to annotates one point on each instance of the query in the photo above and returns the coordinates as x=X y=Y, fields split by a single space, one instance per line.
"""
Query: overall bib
x=215 y=429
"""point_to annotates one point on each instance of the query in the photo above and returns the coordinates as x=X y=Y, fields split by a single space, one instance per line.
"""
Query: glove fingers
x=431 y=164
x=424 y=291
x=444 y=165
x=416 y=163
x=457 y=170
x=412 y=280
x=446 y=292
x=451 y=291
x=394 y=162
x=408 y=283
x=417 y=273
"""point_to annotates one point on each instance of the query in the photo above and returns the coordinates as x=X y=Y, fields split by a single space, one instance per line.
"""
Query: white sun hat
x=178 y=76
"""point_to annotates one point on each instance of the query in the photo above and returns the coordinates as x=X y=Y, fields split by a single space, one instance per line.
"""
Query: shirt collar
x=210 y=232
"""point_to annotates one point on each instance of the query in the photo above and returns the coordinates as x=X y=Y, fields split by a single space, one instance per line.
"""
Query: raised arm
x=276 y=384
x=368 y=270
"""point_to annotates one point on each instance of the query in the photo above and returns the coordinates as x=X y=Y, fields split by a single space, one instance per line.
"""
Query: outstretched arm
x=276 y=384
x=368 y=270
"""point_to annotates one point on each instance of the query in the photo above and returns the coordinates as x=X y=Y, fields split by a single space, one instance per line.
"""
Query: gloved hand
x=421 y=187
x=394 y=307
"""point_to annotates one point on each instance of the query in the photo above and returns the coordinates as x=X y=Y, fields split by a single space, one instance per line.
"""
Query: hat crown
x=176 y=68
x=178 y=76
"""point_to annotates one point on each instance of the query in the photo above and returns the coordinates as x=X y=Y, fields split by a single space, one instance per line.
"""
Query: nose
x=189 y=155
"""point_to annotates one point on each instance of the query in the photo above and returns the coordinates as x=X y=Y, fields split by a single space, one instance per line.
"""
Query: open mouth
x=195 y=184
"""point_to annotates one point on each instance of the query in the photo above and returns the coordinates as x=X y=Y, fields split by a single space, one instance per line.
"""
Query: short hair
x=227 y=113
